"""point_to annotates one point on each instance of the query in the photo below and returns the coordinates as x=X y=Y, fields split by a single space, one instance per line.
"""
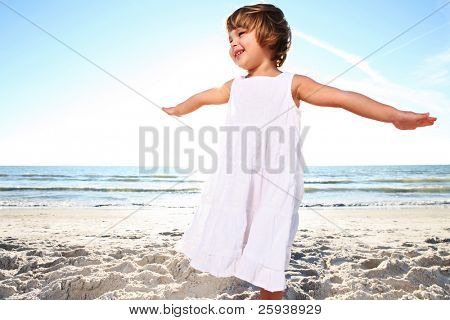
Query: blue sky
x=57 y=109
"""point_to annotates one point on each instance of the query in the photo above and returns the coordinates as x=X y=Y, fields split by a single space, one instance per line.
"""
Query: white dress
x=245 y=223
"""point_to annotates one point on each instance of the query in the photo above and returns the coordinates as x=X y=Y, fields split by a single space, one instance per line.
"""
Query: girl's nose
x=233 y=42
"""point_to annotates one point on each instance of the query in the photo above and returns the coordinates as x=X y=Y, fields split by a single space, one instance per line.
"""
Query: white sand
x=373 y=254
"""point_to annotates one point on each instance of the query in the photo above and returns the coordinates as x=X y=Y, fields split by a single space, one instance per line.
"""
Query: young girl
x=247 y=219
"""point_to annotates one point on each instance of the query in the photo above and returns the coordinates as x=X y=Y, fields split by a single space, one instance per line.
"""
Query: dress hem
x=239 y=266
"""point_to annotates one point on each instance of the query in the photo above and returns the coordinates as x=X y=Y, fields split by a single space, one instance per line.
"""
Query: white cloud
x=349 y=57
x=407 y=43
x=435 y=69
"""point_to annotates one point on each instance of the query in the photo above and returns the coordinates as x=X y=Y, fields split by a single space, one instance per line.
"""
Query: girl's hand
x=171 y=111
x=407 y=120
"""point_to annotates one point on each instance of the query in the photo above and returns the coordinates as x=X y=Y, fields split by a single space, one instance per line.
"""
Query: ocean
x=119 y=186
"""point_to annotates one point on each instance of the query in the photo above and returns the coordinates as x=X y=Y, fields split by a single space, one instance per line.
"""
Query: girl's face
x=245 y=50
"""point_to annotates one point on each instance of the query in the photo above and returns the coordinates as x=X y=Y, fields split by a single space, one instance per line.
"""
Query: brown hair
x=272 y=29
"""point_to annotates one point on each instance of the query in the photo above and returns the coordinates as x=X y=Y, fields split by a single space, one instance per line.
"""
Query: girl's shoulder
x=297 y=81
x=224 y=90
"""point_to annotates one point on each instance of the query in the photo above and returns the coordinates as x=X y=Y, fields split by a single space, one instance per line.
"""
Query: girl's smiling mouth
x=238 y=52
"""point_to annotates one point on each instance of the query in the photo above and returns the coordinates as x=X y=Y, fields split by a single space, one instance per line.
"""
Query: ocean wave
x=390 y=180
x=328 y=181
x=94 y=177
x=163 y=176
x=370 y=204
x=125 y=179
x=186 y=190
x=409 y=180
x=432 y=203
x=192 y=189
x=131 y=176
x=384 y=190
x=42 y=175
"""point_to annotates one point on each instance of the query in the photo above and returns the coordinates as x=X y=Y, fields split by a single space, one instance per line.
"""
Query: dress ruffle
x=238 y=265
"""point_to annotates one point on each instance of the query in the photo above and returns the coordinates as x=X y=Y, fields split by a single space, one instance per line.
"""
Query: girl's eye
x=239 y=34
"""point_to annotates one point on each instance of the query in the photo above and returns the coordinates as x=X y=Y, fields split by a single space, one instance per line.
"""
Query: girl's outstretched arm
x=218 y=95
x=318 y=94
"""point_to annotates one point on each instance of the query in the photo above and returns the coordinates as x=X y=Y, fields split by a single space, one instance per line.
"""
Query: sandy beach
x=110 y=253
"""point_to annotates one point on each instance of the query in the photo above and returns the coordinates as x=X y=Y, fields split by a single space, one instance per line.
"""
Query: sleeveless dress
x=247 y=218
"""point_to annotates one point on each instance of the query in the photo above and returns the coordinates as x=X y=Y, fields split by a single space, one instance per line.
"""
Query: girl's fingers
x=427 y=120
x=167 y=110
